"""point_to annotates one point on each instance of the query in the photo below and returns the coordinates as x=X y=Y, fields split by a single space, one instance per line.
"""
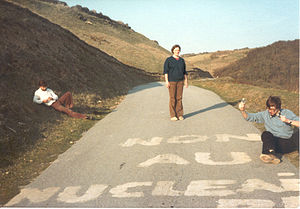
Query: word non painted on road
x=188 y=139
x=199 y=188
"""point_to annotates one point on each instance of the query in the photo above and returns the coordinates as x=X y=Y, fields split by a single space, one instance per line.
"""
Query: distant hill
x=276 y=65
x=197 y=73
x=113 y=37
x=33 y=48
x=212 y=61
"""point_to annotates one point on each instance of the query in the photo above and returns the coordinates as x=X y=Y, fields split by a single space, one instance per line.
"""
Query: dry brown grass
x=216 y=60
x=32 y=135
x=114 y=39
x=255 y=96
x=57 y=139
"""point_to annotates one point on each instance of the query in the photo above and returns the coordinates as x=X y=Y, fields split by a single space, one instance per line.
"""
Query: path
x=137 y=157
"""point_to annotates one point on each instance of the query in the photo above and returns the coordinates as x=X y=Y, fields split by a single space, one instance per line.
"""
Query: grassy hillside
x=256 y=97
x=276 y=65
x=214 y=60
x=32 y=135
x=113 y=37
x=33 y=48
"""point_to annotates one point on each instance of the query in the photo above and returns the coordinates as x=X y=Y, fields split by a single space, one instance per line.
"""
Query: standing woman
x=175 y=77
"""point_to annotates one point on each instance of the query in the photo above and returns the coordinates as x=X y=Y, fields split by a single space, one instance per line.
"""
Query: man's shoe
x=181 y=118
x=174 y=119
x=269 y=158
x=89 y=118
x=275 y=160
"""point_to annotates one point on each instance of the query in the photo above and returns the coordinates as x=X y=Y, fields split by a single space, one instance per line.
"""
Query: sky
x=204 y=25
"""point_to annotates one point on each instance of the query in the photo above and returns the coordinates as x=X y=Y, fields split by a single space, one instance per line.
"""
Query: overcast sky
x=205 y=25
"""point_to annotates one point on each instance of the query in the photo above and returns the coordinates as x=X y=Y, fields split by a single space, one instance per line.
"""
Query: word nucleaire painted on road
x=198 y=188
x=224 y=189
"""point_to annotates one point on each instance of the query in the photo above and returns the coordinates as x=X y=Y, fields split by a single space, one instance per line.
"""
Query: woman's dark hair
x=175 y=46
x=273 y=101
x=42 y=83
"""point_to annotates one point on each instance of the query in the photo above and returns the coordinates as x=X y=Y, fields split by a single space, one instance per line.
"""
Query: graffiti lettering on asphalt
x=288 y=185
x=188 y=139
x=199 y=188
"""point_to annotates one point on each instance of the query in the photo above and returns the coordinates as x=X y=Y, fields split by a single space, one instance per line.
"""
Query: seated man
x=279 y=136
x=49 y=98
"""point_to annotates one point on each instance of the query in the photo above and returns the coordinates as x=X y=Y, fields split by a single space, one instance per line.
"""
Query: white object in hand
x=242 y=103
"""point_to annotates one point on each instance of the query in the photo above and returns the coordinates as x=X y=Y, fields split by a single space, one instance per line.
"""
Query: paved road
x=137 y=157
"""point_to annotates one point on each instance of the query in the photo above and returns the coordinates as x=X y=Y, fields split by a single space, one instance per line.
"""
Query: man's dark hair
x=273 y=101
x=42 y=83
x=175 y=46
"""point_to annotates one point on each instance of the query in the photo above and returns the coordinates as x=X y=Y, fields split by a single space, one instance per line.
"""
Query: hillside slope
x=212 y=61
x=276 y=65
x=33 y=48
x=113 y=37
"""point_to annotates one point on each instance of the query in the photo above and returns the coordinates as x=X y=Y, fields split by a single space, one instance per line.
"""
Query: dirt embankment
x=273 y=66
x=33 y=48
x=112 y=37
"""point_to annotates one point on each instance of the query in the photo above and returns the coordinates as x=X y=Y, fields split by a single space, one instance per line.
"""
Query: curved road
x=137 y=157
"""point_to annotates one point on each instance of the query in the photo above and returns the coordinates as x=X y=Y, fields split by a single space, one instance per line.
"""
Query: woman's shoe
x=174 y=119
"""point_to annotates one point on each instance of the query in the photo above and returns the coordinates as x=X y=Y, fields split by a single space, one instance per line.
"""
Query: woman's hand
x=167 y=84
x=186 y=84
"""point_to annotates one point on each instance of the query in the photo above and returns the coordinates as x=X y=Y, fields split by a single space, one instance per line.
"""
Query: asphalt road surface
x=137 y=157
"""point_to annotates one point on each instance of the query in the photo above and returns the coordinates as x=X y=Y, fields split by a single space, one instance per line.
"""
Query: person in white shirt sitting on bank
x=46 y=96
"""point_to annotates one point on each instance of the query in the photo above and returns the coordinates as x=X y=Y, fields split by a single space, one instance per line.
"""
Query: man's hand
x=284 y=119
x=242 y=106
x=47 y=100
x=242 y=109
